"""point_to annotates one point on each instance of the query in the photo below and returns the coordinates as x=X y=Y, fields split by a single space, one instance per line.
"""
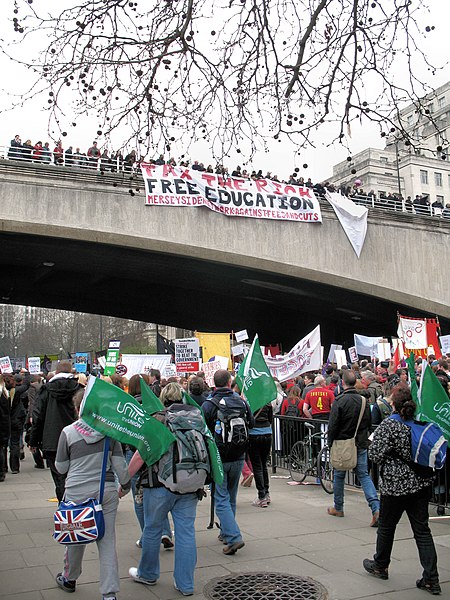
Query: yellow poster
x=214 y=344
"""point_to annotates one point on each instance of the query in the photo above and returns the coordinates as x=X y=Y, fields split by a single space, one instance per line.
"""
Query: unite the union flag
x=78 y=524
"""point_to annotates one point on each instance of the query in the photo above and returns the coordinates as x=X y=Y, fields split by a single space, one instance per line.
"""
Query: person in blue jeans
x=223 y=398
x=344 y=415
x=158 y=501
x=134 y=389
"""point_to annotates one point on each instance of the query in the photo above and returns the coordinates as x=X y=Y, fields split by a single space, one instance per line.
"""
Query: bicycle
x=303 y=463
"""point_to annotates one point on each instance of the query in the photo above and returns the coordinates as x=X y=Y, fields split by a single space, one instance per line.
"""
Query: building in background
x=419 y=165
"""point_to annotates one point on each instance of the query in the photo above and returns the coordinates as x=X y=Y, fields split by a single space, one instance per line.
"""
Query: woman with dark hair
x=401 y=490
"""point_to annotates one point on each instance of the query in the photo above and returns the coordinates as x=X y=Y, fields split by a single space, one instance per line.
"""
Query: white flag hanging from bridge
x=352 y=217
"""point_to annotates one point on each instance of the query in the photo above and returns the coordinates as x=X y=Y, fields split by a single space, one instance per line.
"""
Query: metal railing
x=289 y=430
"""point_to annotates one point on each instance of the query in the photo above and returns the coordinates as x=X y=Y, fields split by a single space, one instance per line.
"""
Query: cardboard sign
x=81 y=362
x=384 y=351
x=237 y=350
x=331 y=353
x=112 y=357
x=341 y=358
x=187 y=355
x=445 y=343
x=169 y=371
x=209 y=369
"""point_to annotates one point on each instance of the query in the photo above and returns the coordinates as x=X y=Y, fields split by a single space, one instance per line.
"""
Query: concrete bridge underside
x=192 y=268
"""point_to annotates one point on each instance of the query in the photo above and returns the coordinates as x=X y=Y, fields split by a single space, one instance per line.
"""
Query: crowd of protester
x=114 y=162
x=46 y=407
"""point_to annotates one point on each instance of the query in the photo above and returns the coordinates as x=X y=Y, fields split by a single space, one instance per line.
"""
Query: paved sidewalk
x=293 y=535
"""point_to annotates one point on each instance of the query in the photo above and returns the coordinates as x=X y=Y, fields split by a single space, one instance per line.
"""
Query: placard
x=341 y=358
x=384 y=351
x=187 y=355
x=34 y=365
x=5 y=365
x=331 y=354
x=241 y=336
x=81 y=362
x=209 y=369
x=112 y=357
x=237 y=350
x=169 y=371
x=445 y=343
x=353 y=354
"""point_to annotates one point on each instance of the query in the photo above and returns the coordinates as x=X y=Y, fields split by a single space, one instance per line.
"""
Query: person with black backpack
x=229 y=418
x=174 y=484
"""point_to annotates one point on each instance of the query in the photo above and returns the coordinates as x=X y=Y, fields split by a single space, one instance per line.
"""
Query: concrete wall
x=399 y=261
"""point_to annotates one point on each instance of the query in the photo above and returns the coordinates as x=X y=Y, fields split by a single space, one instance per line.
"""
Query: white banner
x=34 y=365
x=445 y=343
x=132 y=364
x=340 y=358
x=304 y=356
x=413 y=332
x=331 y=354
x=166 y=185
x=367 y=346
x=352 y=217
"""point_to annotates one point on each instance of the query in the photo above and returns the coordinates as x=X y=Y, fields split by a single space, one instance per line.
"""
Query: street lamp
x=60 y=353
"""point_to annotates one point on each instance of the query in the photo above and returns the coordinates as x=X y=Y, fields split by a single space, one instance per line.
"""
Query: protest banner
x=214 y=344
x=331 y=354
x=168 y=185
x=187 y=355
x=237 y=350
x=34 y=365
x=304 y=356
x=81 y=362
x=135 y=364
x=367 y=346
x=112 y=357
x=384 y=351
x=5 y=365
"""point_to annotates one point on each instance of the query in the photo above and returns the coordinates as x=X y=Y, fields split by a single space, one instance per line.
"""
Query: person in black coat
x=53 y=411
x=17 y=387
x=5 y=426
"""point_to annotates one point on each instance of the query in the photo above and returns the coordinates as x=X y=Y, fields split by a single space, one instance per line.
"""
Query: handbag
x=344 y=453
x=82 y=523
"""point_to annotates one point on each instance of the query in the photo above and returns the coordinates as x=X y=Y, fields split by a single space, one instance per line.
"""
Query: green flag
x=150 y=401
x=213 y=451
x=114 y=413
x=255 y=379
x=434 y=401
x=412 y=378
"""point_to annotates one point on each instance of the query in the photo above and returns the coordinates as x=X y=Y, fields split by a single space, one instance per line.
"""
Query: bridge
x=78 y=240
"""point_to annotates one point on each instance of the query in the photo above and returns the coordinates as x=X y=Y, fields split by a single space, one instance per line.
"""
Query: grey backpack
x=185 y=467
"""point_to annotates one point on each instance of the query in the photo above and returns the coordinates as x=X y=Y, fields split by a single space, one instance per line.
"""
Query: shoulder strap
x=105 y=461
x=361 y=412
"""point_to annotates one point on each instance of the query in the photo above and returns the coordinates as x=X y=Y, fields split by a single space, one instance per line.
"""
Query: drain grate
x=264 y=586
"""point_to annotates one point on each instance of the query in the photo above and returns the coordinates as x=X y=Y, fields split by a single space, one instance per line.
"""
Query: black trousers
x=416 y=507
x=59 y=480
x=14 y=449
x=259 y=450
x=3 y=463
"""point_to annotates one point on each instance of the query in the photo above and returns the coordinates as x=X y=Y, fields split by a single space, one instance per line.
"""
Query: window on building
x=441 y=102
x=440 y=199
x=430 y=107
x=438 y=179
x=409 y=119
x=423 y=177
x=383 y=159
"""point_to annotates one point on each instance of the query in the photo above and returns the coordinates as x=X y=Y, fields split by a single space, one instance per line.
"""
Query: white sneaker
x=138 y=544
x=133 y=573
x=181 y=592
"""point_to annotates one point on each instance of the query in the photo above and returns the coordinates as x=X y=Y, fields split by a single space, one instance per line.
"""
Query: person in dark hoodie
x=53 y=411
x=16 y=386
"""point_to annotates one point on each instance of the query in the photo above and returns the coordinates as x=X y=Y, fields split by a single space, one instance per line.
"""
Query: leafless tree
x=233 y=72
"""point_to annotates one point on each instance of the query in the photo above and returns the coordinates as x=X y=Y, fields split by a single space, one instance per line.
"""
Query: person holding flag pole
x=259 y=388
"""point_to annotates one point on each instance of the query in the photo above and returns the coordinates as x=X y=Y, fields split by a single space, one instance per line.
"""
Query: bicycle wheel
x=325 y=470
x=299 y=461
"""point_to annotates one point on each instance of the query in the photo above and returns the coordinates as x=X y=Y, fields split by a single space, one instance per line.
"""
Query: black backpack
x=292 y=408
x=231 y=429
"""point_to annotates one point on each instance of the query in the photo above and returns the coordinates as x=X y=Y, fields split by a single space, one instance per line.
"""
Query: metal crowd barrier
x=288 y=430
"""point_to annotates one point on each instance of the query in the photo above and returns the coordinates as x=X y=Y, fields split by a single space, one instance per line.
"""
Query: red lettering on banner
x=278 y=188
x=239 y=184
x=304 y=191
x=168 y=170
x=148 y=168
x=211 y=179
x=225 y=183
x=185 y=175
x=261 y=185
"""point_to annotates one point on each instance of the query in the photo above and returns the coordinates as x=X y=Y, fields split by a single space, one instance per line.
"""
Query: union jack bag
x=82 y=523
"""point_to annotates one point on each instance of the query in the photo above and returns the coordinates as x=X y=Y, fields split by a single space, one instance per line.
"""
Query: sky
x=31 y=121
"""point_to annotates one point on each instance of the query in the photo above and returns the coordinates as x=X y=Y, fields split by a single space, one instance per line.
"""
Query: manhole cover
x=264 y=586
